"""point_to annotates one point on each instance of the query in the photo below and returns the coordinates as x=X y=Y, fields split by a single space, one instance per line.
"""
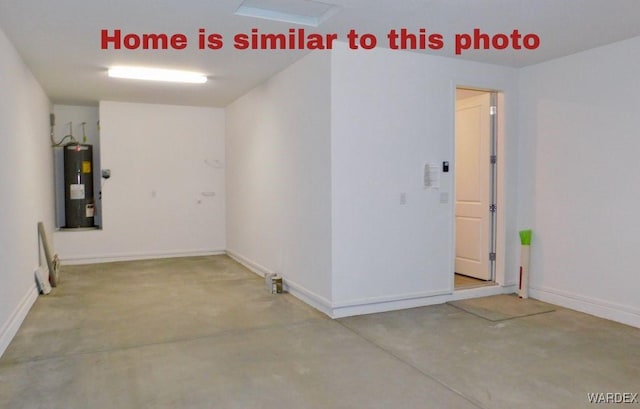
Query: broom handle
x=525 y=254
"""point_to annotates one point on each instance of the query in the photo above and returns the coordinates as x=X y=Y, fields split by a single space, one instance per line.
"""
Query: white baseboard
x=405 y=301
x=248 y=263
x=316 y=301
x=374 y=304
x=109 y=258
x=9 y=329
x=309 y=297
x=348 y=309
x=600 y=308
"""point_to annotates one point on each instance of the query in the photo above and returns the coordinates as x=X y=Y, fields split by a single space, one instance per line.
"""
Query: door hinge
x=493 y=110
x=493 y=159
x=493 y=208
x=492 y=256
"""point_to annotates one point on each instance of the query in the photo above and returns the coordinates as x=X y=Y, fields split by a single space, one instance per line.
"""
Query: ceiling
x=60 y=40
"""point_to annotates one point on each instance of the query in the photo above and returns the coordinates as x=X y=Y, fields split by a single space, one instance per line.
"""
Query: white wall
x=579 y=179
x=278 y=178
x=166 y=195
x=392 y=112
x=26 y=186
x=76 y=115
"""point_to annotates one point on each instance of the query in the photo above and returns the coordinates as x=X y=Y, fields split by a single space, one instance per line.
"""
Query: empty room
x=319 y=204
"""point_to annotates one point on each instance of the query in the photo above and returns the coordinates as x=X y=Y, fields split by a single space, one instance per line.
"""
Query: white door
x=472 y=178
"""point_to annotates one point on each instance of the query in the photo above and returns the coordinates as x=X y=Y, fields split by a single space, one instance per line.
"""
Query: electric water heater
x=79 y=205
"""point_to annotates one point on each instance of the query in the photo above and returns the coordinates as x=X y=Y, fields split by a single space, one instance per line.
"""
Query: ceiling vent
x=305 y=12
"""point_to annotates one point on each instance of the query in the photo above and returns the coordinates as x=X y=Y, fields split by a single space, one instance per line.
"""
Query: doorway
x=475 y=188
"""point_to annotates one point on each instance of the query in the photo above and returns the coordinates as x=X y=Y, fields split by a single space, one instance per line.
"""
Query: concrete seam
x=414 y=367
x=166 y=342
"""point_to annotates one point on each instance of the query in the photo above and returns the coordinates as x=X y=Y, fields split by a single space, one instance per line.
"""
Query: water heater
x=79 y=205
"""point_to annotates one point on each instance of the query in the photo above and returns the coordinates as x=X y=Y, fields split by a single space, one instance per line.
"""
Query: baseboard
x=249 y=264
x=361 y=307
x=316 y=301
x=371 y=305
x=599 y=308
x=10 y=328
x=109 y=258
x=414 y=300
x=309 y=297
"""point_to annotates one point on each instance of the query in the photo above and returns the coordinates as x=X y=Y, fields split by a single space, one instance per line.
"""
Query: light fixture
x=309 y=12
x=157 y=74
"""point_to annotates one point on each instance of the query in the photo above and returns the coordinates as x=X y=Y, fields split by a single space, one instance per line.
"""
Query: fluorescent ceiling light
x=307 y=12
x=157 y=74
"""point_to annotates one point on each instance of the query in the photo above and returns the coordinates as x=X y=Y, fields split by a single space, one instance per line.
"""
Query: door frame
x=498 y=238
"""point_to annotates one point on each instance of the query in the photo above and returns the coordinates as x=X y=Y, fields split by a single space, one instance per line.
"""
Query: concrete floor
x=203 y=333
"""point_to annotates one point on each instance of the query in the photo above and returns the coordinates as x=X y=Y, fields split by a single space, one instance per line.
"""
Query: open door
x=474 y=186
